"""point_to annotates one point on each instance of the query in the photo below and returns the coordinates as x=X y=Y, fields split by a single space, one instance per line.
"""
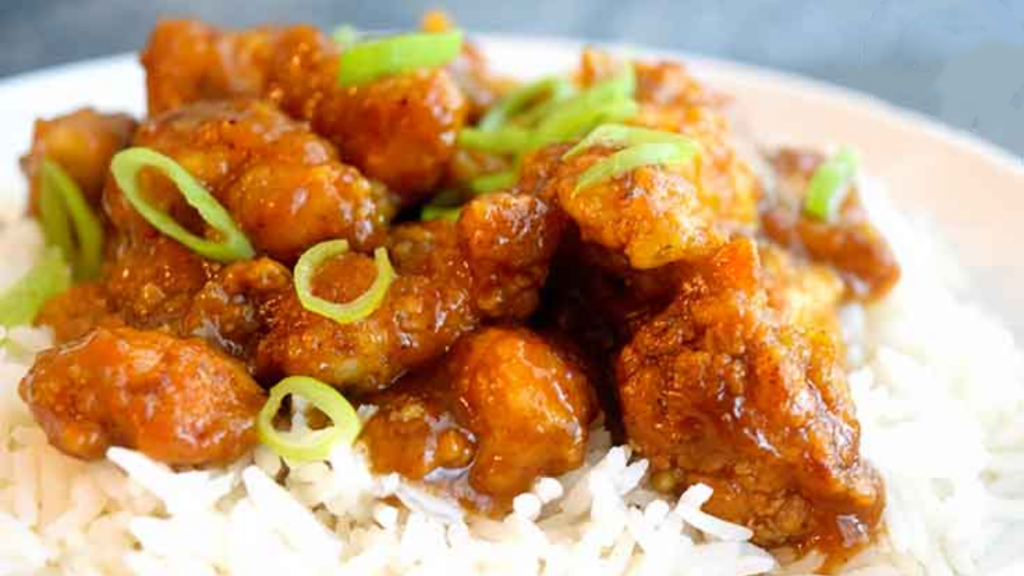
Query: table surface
x=957 y=60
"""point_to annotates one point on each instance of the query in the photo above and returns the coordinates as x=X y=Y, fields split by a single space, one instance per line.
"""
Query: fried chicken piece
x=151 y=282
x=177 y=401
x=851 y=243
x=504 y=408
x=671 y=99
x=230 y=310
x=805 y=293
x=82 y=143
x=652 y=216
x=400 y=129
x=74 y=313
x=283 y=185
x=721 y=389
x=450 y=276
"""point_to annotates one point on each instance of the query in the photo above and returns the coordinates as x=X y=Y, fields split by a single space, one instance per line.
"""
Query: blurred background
x=961 y=61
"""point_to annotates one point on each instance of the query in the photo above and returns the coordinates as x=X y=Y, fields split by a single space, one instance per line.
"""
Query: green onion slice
x=233 y=246
x=830 y=184
x=536 y=114
x=434 y=212
x=366 y=62
x=316 y=444
x=505 y=140
x=618 y=88
x=49 y=277
x=520 y=99
x=608 y=101
x=656 y=153
x=353 y=311
x=61 y=200
x=492 y=182
x=625 y=136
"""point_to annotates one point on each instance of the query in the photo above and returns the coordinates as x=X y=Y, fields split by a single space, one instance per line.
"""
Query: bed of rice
x=939 y=386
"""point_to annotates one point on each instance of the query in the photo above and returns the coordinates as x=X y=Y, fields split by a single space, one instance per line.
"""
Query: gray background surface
x=959 y=60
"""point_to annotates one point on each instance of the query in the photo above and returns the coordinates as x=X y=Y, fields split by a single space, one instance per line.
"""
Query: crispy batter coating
x=720 y=389
x=151 y=282
x=82 y=143
x=177 y=401
x=229 y=311
x=671 y=99
x=652 y=215
x=76 y=312
x=851 y=243
x=450 y=276
x=400 y=130
x=283 y=185
x=505 y=407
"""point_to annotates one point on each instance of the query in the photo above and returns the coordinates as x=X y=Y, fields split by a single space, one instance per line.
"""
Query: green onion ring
x=519 y=99
x=366 y=62
x=492 y=182
x=657 y=153
x=49 y=277
x=61 y=200
x=316 y=444
x=626 y=136
x=431 y=212
x=366 y=304
x=830 y=184
x=505 y=140
x=126 y=166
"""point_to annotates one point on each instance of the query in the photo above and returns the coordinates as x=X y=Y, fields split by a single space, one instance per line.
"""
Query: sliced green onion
x=830 y=184
x=519 y=99
x=353 y=311
x=534 y=115
x=565 y=127
x=316 y=444
x=371 y=60
x=233 y=245
x=570 y=115
x=61 y=200
x=625 y=136
x=434 y=212
x=623 y=161
x=49 y=277
x=345 y=36
x=505 y=140
x=492 y=182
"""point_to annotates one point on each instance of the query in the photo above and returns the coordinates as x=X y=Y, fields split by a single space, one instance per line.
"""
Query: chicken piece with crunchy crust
x=721 y=389
x=82 y=143
x=850 y=243
x=505 y=407
x=450 y=276
x=399 y=129
x=282 y=184
x=177 y=401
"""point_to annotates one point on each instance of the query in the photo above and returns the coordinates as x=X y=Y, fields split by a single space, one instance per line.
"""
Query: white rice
x=938 y=383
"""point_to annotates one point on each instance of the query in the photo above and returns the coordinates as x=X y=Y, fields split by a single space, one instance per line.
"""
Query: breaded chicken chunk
x=177 y=401
x=721 y=389
x=399 y=129
x=505 y=407
x=282 y=184
x=451 y=276
x=82 y=143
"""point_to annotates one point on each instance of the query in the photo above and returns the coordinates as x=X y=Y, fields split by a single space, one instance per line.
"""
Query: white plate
x=973 y=190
